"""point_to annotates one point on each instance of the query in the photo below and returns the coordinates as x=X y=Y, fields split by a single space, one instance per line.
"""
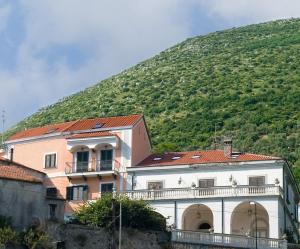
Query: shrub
x=34 y=238
x=135 y=214
x=7 y=235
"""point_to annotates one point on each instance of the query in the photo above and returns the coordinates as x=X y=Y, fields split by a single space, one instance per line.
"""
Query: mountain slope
x=243 y=82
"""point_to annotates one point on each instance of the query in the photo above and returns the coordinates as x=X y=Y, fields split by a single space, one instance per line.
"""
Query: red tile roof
x=14 y=171
x=79 y=125
x=199 y=157
x=91 y=134
x=48 y=129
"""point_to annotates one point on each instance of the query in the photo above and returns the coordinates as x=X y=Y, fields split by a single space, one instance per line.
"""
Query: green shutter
x=69 y=193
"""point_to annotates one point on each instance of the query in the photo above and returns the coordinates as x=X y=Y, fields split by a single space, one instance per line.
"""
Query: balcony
x=226 y=240
x=92 y=168
x=198 y=193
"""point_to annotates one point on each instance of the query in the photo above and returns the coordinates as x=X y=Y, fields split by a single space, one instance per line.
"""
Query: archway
x=244 y=221
x=197 y=217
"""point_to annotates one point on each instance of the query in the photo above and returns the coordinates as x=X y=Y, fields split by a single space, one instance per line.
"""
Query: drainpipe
x=222 y=215
x=284 y=191
x=132 y=181
x=175 y=214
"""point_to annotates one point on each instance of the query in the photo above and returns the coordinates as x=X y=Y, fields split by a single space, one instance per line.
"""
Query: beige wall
x=141 y=147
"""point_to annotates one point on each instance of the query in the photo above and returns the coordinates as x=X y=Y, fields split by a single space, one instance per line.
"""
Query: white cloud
x=241 y=11
x=112 y=34
x=115 y=35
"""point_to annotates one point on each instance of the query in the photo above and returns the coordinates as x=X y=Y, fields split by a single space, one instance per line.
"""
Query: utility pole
x=120 y=225
x=113 y=238
x=255 y=226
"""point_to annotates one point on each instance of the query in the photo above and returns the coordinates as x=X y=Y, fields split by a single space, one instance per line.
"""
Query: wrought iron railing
x=187 y=193
x=91 y=166
x=227 y=240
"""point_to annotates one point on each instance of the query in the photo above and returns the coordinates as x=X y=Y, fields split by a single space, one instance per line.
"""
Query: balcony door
x=106 y=157
x=206 y=187
x=82 y=163
x=256 y=184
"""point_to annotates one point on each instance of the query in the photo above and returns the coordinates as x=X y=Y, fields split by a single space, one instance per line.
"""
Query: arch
x=244 y=221
x=197 y=217
x=76 y=148
x=101 y=146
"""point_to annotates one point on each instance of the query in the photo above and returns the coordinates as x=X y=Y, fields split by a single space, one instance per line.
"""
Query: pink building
x=85 y=158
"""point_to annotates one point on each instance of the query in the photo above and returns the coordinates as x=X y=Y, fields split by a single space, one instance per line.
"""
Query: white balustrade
x=226 y=240
x=188 y=193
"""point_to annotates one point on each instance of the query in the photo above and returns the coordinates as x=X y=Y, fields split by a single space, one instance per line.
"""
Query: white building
x=220 y=192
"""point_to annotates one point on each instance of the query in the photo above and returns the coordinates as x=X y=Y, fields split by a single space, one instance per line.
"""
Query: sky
x=50 y=49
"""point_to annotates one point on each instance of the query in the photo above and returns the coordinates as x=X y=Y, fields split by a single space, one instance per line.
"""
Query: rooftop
x=15 y=171
x=79 y=125
x=200 y=157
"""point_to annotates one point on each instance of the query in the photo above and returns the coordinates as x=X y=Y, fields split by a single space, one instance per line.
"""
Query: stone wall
x=79 y=237
x=23 y=201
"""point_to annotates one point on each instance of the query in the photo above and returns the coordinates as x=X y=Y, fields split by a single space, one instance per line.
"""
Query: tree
x=135 y=214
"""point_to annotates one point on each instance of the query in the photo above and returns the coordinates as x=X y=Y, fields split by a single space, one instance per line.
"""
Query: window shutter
x=85 y=193
x=210 y=183
x=69 y=193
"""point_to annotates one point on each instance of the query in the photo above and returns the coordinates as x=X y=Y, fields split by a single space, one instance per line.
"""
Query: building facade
x=84 y=158
x=216 y=191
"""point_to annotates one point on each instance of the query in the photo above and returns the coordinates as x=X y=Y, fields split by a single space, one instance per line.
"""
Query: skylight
x=51 y=130
x=156 y=158
x=195 y=156
x=175 y=157
x=97 y=126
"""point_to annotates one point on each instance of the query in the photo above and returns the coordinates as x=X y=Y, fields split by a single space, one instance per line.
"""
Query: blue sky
x=50 y=49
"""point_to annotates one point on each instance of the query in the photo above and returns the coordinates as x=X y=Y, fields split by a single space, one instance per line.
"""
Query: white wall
x=219 y=173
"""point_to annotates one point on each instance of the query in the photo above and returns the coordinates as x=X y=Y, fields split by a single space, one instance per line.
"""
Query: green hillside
x=243 y=81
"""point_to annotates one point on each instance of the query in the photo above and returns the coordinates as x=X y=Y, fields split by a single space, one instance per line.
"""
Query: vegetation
x=243 y=82
x=135 y=214
x=31 y=238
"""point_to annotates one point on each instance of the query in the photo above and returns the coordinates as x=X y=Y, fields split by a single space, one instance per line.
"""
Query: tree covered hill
x=245 y=82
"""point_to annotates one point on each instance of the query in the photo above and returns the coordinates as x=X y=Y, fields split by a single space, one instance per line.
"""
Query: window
x=106 y=159
x=51 y=192
x=52 y=211
x=107 y=187
x=77 y=193
x=50 y=160
x=205 y=186
x=256 y=180
x=206 y=183
x=256 y=183
x=155 y=185
x=82 y=164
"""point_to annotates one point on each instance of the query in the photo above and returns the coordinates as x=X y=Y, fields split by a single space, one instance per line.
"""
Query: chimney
x=228 y=147
x=11 y=154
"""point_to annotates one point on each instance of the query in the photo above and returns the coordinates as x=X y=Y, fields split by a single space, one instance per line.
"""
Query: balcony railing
x=226 y=240
x=191 y=193
x=91 y=166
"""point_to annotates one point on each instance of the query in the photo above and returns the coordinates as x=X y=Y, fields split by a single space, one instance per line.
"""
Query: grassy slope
x=246 y=81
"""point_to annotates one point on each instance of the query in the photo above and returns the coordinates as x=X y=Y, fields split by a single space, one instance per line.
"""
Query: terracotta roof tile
x=91 y=134
x=48 y=129
x=14 y=171
x=108 y=122
x=79 y=125
x=199 y=157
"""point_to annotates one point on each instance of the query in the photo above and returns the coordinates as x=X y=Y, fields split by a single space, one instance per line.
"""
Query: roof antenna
x=3 y=126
